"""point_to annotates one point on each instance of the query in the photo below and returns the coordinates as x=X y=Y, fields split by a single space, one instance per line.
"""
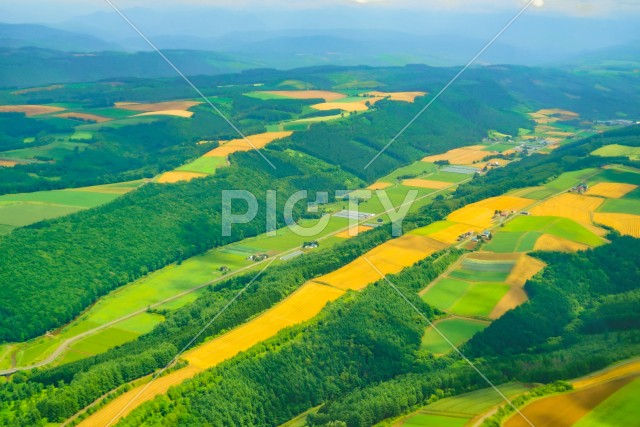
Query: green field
x=81 y=136
x=465 y=298
x=512 y=241
x=204 y=165
x=449 y=177
x=458 y=410
x=618 y=175
x=480 y=270
x=619 y=409
x=432 y=228
x=480 y=299
x=540 y=194
x=570 y=179
x=628 y=206
x=500 y=147
x=560 y=227
x=413 y=170
x=265 y=96
x=20 y=214
x=76 y=198
x=123 y=332
x=56 y=150
x=616 y=150
x=456 y=330
x=445 y=293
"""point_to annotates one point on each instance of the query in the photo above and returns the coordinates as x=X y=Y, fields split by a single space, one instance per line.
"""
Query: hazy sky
x=59 y=10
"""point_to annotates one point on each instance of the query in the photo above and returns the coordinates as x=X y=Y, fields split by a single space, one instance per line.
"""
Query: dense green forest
x=53 y=270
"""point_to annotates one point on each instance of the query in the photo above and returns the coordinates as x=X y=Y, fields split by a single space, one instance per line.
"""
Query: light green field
x=458 y=331
x=81 y=199
x=628 y=206
x=204 y=165
x=56 y=150
x=81 y=136
x=458 y=410
x=285 y=238
x=445 y=293
x=18 y=210
x=480 y=299
x=20 y=214
x=512 y=241
x=432 y=228
x=123 y=332
x=616 y=150
x=6 y=229
x=413 y=170
x=396 y=195
x=619 y=409
x=570 y=179
x=540 y=194
x=500 y=147
x=265 y=96
x=560 y=227
x=300 y=420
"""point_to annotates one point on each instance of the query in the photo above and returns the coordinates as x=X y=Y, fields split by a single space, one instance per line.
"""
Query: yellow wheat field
x=380 y=185
x=460 y=156
x=426 y=183
x=175 y=113
x=127 y=402
x=30 y=110
x=480 y=214
x=611 y=190
x=157 y=106
x=398 y=96
x=525 y=268
x=512 y=299
x=549 y=242
x=37 y=89
x=345 y=106
x=7 y=163
x=307 y=94
x=354 y=231
x=626 y=224
x=388 y=258
x=450 y=234
x=256 y=141
x=622 y=370
x=300 y=306
x=177 y=176
x=84 y=116
x=573 y=206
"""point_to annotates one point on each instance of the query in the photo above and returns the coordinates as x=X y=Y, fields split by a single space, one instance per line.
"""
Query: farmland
x=459 y=411
x=456 y=330
x=616 y=150
x=482 y=214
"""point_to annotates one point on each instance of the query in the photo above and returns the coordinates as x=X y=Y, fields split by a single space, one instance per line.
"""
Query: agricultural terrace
x=595 y=397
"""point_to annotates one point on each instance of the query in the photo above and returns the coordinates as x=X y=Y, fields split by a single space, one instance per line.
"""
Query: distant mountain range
x=37 y=54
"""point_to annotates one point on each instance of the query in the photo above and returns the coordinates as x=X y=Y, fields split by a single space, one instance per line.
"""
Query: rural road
x=70 y=341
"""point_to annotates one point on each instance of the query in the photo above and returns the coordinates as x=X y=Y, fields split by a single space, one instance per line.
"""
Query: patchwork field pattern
x=300 y=306
x=462 y=410
x=481 y=214
x=549 y=242
x=572 y=206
